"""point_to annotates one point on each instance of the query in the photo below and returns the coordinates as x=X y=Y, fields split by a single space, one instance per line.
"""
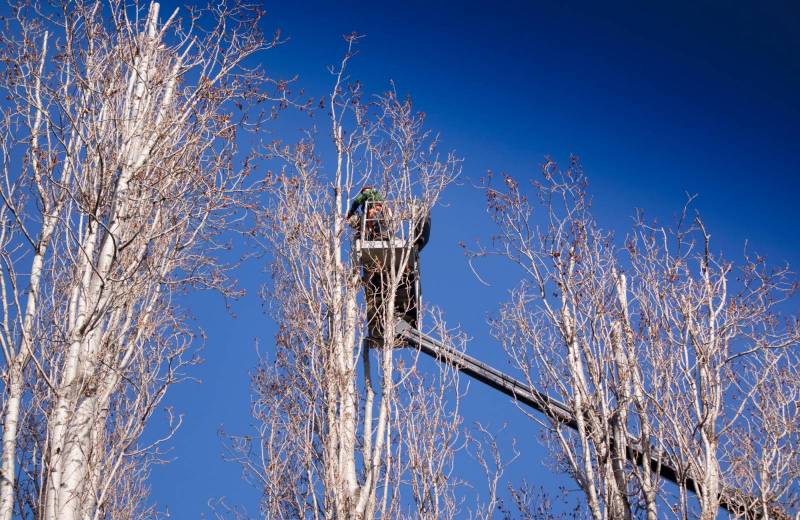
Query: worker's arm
x=425 y=233
x=357 y=203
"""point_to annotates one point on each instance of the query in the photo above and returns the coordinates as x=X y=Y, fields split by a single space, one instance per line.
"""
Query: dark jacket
x=424 y=232
x=361 y=199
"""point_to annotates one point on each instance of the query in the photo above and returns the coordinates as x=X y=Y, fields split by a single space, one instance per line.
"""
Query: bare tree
x=486 y=450
x=714 y=330
x=649 y=345
x=339 y=432
x=763 y=454
x=119 y=173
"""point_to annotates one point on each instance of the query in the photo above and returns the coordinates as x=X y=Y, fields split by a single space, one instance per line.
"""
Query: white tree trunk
x=128 y=176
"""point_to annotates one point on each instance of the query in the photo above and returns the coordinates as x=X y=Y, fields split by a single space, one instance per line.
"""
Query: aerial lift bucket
x=382 y=249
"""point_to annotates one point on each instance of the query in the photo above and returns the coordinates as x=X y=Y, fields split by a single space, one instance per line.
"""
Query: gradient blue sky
x=657 y=101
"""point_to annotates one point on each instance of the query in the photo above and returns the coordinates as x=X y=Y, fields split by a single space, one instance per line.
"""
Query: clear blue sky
x=694 y=97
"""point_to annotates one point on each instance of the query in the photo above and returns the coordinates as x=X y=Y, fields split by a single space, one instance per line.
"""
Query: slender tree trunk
x=16 y=375
x=10 y=431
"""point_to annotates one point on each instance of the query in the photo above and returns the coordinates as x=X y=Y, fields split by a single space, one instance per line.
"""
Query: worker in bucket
x=367 y=193
x=374 y=212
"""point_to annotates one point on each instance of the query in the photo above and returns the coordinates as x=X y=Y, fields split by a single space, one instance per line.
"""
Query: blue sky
x=657 y=101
